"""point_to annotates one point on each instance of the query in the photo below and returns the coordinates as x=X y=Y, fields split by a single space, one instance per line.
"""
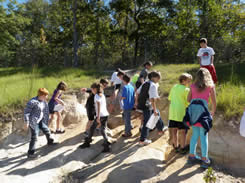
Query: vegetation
x=20 y=84
x=209 y=177
x=125 y=32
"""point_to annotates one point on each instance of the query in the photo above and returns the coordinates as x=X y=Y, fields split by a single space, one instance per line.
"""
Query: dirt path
x=127 y=163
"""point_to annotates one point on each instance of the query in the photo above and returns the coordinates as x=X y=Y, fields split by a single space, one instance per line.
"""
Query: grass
x=20 y=84
x=230 y=89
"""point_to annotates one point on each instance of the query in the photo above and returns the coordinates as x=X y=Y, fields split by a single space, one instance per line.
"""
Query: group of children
x=188 y=107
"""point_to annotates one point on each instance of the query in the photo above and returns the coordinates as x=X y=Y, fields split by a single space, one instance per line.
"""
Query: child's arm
x=98 y=114
x=27 y=112
x=136 y=99
x=153 y=102
x=199 y=60
x=212 y=60
x=213 y=99
x=57 y=99
x=189 y=96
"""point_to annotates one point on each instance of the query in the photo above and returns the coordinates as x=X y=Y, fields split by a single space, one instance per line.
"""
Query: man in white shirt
x=206 y=58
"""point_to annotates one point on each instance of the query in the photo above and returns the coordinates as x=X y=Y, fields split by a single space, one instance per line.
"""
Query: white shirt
x=153 y=91
x=206 y=55
x=103 y=107
x=41 y=106
x=116 y=80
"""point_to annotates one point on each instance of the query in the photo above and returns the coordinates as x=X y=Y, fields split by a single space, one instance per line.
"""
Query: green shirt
x=135 y=78
x=178 y=102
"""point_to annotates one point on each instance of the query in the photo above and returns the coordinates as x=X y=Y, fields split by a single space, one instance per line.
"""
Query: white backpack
x=242 y=125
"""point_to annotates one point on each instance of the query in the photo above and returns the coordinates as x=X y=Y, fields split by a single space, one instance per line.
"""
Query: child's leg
x=173 y=135
x=45 y=130
x=50 y=120
x=91 y=131
x=182 y=139
x=127 y=120
x=160 y=124
x=34 y=135
x=103 y=121
x=204 y=143
x=145 y=130
x=58 y=120
x=194 y=139
x=89 y=123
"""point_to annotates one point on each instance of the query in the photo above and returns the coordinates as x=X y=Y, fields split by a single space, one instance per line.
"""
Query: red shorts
x=212 y=71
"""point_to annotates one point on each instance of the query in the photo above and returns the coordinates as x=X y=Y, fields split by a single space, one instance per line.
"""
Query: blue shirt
x=128 y=93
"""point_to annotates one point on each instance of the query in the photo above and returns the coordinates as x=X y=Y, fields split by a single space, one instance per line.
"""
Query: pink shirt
x=201 y=95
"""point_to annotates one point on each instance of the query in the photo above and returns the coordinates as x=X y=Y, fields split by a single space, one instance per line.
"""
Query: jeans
x=127 y=120
x=34 y=135
x=145 y=131
x=103 y=121
x=196 y=133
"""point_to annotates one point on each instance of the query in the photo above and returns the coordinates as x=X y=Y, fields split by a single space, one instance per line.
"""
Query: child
x=178 y=104
x=56 y=105
x=146 y=97
x=198 y=115
x=36 y=115
x=100 y=120
x=128 y=104
x=144 y=73
x=120 y=75
x=90 y=107
x=115 y=81
x=206 y=58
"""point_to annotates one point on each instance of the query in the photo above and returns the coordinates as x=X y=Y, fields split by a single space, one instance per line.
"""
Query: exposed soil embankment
x=127 y=163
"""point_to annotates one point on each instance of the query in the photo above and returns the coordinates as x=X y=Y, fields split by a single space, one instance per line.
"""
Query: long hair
x=99 y=88
x=62 y=86
x=203 y=79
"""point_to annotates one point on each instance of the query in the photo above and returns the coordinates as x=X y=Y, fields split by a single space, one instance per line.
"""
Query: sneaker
x=51 y=142
x=33 y=156
x=194 y=160
x=206 y=163
x=145 y=142
x=84 y=145
x=127 y=135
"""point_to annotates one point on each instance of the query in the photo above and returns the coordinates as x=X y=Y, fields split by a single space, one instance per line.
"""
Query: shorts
x=212 y=71
x=176 y=124
x=117 y=86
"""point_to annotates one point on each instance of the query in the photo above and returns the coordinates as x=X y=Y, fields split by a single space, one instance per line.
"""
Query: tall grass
x=20 y=84
x=231 y=99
